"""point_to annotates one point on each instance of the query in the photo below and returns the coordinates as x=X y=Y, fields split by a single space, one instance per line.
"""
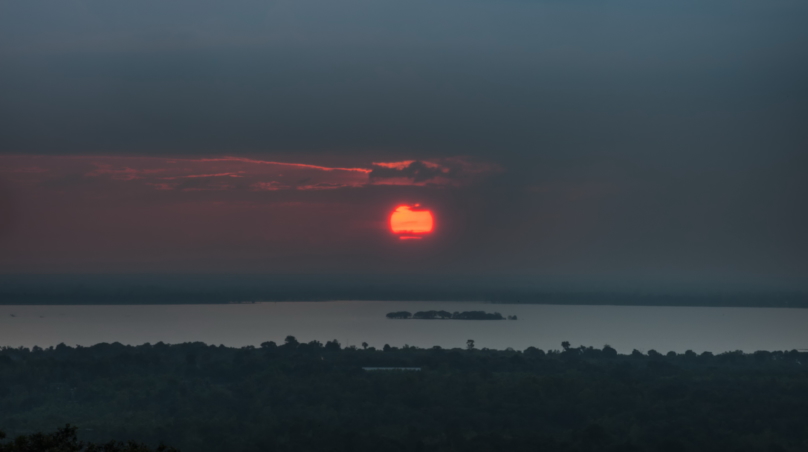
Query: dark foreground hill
x=314 y=397
x=65 y=439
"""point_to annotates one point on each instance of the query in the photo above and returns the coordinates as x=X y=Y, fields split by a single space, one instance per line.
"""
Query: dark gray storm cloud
x=635 y=138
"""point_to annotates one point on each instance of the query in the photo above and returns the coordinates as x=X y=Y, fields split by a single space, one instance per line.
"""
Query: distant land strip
x=446 y=315
x=140 y=294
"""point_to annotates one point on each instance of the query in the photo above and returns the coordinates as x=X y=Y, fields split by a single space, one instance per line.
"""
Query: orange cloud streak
x=234 y=173
x=298 y=165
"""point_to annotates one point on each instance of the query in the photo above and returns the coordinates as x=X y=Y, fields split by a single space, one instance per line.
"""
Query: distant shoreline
x=126 y=295
x=207 y=289
x=684 y=302
x=790 y=305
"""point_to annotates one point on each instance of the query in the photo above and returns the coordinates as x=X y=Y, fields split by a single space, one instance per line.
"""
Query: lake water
x=542 y=326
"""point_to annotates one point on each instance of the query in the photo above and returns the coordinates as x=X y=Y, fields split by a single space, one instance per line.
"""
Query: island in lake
x=446 y=315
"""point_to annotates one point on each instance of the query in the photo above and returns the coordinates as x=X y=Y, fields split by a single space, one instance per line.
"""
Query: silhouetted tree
x=533 y=351
x=65 y=440
x=609 y=352
x=399 y=315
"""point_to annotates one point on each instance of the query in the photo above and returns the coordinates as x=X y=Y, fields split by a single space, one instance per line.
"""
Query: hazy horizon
x=617 y=144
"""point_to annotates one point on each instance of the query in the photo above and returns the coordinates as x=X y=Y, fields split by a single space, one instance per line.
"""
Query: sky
x=624 y=141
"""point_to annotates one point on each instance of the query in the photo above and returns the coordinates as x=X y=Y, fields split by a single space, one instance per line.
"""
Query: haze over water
x=353 y=322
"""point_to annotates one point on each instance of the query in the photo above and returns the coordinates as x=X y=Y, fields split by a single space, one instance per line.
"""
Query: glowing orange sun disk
x=410 y=222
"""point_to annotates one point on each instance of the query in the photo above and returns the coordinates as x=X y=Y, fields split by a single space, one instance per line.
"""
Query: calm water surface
x=543 y=326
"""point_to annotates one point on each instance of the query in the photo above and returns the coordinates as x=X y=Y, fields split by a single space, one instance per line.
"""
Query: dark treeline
x=316 y=397
x=64 y=289
x=65 y=439
x=446 y=315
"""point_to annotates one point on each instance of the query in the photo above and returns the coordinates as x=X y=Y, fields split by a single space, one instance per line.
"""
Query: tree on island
x=477 y=315
x=432 y=315
x=399 y=315
x=425 y=315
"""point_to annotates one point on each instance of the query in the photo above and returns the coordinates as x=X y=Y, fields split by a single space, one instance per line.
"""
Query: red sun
x=411 y=222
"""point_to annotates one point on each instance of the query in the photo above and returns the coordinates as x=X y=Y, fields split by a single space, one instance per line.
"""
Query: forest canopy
x=312 y=396
x=65 y=439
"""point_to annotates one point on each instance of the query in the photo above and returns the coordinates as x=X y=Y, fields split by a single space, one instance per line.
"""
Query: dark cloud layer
x=417 y=171
x=621 y=139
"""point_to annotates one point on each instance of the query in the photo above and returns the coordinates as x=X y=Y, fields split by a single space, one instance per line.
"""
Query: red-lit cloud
x=297 y=165
x=448 y=172
x=238 y=173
